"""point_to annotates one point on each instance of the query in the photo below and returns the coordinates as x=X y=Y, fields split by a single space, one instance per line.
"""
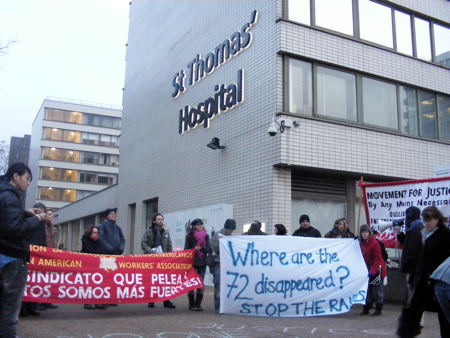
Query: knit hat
x=109 y=210
x=364 y=227
x=304 y=218
x=230 y=224
x=196 y=221
x=411 y=214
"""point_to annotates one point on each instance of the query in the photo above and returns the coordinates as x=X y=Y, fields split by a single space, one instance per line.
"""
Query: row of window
x=63 y=195
x=69 y=175
x=82 y=118
x=75 y=156
x=328 y=92
x=377 y=23
x=56 y=134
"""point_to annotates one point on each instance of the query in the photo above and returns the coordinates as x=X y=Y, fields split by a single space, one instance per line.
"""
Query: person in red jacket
x=371 y=251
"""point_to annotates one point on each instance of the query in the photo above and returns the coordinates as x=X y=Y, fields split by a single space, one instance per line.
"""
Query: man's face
x=305 y=224
x=111 y=216
x=227 y=232
x=21 y=182
x=159 y=220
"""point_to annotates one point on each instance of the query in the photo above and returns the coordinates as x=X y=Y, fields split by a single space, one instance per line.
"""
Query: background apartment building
x=74 y=151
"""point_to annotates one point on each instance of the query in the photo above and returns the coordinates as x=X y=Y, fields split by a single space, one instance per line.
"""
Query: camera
x=272 y=130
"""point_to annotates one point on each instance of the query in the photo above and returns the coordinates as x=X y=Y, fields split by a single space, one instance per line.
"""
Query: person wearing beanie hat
x=214 y=266
x=305 y=229
x=371 y=251
x=111 y=235
x=198 y=239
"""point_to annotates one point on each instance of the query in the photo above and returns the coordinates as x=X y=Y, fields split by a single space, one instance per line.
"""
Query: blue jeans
x=442 y=293
x=13 y=277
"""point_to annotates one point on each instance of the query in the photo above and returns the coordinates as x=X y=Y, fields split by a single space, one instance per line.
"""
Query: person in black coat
x=339 y=230
x=111 y=234
x=91 y=244
x=434 y=244
x=255 y=229
x=305 y=229
x=198 y=239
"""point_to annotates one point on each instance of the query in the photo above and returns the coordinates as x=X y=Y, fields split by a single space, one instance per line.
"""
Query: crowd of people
x=425 y=257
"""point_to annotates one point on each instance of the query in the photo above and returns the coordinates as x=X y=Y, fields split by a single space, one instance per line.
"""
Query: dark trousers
x=216 y=281
x=12 y=284
x=375 y=294
x=201 y=270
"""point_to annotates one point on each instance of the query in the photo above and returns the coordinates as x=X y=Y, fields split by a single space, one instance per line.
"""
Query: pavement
x=137 y=320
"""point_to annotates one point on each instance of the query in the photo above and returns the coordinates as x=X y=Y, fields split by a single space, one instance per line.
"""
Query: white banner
x=388 y=201
x=284 y=276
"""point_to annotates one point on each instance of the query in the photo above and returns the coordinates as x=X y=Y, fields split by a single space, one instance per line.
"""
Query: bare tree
x=4 y=154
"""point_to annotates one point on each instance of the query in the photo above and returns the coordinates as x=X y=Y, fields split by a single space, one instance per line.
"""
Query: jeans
x=375 y=294
x=13 y=277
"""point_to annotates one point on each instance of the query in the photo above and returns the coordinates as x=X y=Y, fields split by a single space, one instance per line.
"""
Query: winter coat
x=309 y=232
x=335 y=233
x=191 y=243
x=435 y=251
x=38 y=236
x=147 y=242
x=412 y=248
x=371 y=251
x=90 y=246
x=15 y=225
x=111 y=237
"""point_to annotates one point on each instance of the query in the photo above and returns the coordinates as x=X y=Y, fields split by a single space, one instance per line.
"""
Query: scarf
x=200 y=238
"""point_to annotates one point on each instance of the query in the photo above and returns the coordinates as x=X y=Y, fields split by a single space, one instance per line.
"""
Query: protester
x=280 y=230
x=411 y=240
x=90 y=244
x=434 y=245
x=339 y=230
x=16 y=225
x=156 y=239
x=198 y=239
x=305 y=229
x=255 y=229
x=111 y=235
x=371 y=251
x=227 y=230
x=347 y=229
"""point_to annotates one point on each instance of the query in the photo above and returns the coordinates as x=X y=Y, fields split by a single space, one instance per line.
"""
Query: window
x=408 y=110
x=300 y=87
x=443 y=103
x=379 y=103
x=53 y=134
x=56 y=174
x=335 y=15
x=101 y=121
x=403 y=33
x=442 y=44
x=299 y=10
x=56 y=194
x=63 y=116
x=427 y=113
x=375 y=23
x=423 y=43
x=336 y=94
x=88 y=178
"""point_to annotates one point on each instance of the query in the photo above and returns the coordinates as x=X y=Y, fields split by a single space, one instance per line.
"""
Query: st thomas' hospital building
x=358 y=87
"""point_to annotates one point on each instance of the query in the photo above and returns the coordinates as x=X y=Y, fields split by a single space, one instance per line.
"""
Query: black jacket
x=335 y=233
x=412 y=248
x=111 y=237
x=38 y=237
x=310 y=232
x=190 y=243
x=15 y=226
x=90 y=246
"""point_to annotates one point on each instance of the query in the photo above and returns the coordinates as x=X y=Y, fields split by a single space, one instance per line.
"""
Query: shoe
x=89 y=307
x=50 y=305
x=198 y=302
x=23 y=313
x=100 y=306
x=33 y=312
x=169 y=304
x=40 y=307
x=112 y=304
x=377 y=311
x=151 y=305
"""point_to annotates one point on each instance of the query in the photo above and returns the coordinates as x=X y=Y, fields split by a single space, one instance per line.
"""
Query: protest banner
x=288 y=276
x=389 y=201
x=58 y=276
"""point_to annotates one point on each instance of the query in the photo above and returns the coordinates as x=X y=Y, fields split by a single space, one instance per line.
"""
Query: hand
x=31 y=211
x=197 y=248
x=371 y=276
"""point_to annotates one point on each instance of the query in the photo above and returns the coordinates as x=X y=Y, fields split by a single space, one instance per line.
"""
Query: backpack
x=383 y=250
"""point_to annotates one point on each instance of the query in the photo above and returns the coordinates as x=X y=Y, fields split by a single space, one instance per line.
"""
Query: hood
x=5 y=186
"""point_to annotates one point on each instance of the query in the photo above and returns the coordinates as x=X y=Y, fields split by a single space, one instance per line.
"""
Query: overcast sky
x=73 y=49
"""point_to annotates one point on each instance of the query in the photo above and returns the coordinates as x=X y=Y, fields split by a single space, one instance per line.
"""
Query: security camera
x=272 y=130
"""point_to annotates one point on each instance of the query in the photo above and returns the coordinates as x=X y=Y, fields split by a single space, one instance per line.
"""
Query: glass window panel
x=408 y=110
x=48 y=194
x=75 y=117
x=300 y=87
x=70 y=175
x=403 y=32
x=299 y=10
x=427 y=114
x=423 y=44
x=442 y=44
x=444 y=116
x=375 y=23
x=379 y=103
x=50 y=174
x=69 y=195
x=336 y=94
x=335 y=15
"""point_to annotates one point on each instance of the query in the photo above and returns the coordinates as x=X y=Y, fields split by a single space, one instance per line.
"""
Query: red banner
x=56 y=276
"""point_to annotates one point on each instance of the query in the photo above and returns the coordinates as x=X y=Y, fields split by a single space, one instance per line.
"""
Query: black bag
x=211 y=260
